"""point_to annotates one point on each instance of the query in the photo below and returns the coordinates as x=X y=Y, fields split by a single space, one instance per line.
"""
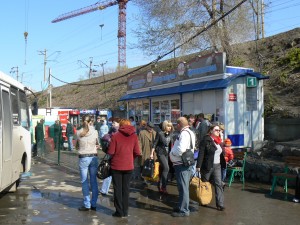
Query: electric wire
x=164 y=55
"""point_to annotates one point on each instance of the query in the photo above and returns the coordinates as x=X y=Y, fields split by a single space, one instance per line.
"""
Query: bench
x=291 y=163
x=238 y=170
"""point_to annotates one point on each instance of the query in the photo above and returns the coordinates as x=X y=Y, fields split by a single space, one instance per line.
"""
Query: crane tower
x=121 y=23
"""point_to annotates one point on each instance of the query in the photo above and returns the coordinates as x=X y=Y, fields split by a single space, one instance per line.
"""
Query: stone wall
x=277 y=129
x=261 y=163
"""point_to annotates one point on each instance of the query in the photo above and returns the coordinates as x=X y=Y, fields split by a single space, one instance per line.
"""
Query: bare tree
x=169 y=23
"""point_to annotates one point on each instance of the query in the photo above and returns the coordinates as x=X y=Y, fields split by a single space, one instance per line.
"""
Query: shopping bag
x=103 y=170
x=200 y=191
x=148 y=168
x=155 y=176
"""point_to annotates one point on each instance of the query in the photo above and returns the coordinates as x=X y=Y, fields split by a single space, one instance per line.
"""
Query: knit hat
x=227 y=141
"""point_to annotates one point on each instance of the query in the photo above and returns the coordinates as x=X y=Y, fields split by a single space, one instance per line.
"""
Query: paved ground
x=52 y=194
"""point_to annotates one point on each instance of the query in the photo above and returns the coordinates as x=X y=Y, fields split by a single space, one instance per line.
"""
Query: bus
x=15 y=137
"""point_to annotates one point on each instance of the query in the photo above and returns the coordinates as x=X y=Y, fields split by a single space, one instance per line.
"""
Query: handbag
x=148 y=168
x=188 y=156
x=104 y=170
x=155 y=176
x=200 y=191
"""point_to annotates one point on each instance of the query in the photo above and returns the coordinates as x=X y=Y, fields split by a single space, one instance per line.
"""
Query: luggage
x=200 y=191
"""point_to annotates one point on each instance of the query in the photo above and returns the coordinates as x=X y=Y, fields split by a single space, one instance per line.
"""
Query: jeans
x=88 y=165
x=217 y=178
x=105 y=185
x=164 y=164
x=121 y=182
x=183 y=176
x=70 y=142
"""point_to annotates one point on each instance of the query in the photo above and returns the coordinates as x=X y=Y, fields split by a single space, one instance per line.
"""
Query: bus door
x=5 y=137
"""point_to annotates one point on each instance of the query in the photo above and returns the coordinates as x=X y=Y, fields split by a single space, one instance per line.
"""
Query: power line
x=164 y=55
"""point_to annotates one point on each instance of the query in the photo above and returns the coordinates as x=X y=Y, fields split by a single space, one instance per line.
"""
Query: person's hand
x=151 y=156
x=198 y=169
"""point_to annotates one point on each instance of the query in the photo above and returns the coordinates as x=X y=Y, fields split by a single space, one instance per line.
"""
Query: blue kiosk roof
x=201 y=86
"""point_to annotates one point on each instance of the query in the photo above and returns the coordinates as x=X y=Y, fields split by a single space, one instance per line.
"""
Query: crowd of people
x=130 y=144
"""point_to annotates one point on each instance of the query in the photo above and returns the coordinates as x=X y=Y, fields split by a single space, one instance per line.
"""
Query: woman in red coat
x=123 y=148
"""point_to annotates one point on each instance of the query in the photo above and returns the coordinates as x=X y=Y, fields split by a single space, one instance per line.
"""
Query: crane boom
x=121 y=23
x=84 y=10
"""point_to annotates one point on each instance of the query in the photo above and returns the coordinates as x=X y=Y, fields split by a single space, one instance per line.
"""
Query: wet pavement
x=52 y=194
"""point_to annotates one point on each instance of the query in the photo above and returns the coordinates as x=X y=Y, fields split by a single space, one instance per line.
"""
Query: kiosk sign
x=251 y=82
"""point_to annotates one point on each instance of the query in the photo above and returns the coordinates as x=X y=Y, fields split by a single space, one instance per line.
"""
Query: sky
x=81 y=39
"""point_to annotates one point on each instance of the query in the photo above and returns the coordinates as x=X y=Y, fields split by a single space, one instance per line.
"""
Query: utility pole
x=91 y=62
x=15 y=69
x=90 y=66
x=50 y=89
x=44 y=53
x=102 y=65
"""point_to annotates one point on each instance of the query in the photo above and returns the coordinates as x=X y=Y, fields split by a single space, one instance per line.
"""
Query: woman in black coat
x=162 y=146
x=211 y=161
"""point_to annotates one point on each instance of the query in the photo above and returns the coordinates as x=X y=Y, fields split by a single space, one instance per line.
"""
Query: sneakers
x=296 y=200
x=84 y=209
x=220 y=208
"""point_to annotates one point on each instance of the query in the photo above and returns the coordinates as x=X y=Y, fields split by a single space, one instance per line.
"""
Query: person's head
x=181 y=123
x=214 y=130
x=143 y=124
x=131 y=118
x=150 y=126
x=201 y=116
x=191 y=121
x=222 y=127
x=86 y=121
x=124 y=122
x=42 y=121
x=227 y=142
x=115 y=124
x=56 y=121
x=167 y=126
x=98 y=118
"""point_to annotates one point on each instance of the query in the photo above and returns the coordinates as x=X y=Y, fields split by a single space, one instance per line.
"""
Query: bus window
x=24 y=117
x=15 y=106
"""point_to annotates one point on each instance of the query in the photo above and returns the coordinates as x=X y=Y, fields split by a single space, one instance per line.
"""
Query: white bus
x=15 y=137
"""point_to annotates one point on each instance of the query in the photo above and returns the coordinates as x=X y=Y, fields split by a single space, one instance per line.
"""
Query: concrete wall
x=282 y=129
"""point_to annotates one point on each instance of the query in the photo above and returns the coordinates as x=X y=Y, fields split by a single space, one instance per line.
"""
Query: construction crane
x=121 y=23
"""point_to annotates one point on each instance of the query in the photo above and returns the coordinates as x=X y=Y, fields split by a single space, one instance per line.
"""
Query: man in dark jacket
x=57 y=135
x=70 y=134
x=40 y=137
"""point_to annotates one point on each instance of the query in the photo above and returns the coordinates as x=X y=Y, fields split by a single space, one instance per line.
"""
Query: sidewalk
x=253 y=206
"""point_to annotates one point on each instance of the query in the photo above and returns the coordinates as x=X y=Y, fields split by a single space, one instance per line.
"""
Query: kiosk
x=204 y=84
